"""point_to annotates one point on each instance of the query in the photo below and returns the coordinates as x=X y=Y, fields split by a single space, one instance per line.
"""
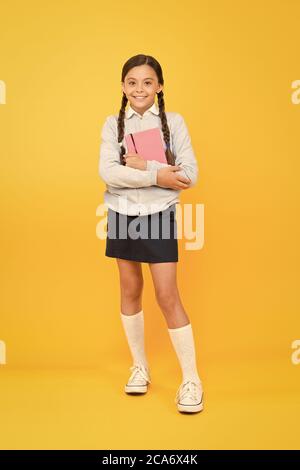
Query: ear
x=160 y=88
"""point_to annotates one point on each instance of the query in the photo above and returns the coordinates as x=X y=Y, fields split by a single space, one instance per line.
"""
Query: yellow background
x=228 y=69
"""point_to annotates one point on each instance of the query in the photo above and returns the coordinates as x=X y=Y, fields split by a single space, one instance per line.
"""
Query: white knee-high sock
x=134 y=330
x=183 y=342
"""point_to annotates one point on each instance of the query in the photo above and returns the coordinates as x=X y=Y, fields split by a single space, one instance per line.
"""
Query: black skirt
x=148 y=238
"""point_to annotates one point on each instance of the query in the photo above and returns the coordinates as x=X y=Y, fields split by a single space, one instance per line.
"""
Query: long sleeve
x=110 y=168
x=183 y=150
x=155 y=165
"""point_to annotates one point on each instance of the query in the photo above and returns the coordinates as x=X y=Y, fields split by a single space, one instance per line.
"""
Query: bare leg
x=164 y=276
x=131 y=286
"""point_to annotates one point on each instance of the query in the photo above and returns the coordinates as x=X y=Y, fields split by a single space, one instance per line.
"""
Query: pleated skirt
x=148 y=238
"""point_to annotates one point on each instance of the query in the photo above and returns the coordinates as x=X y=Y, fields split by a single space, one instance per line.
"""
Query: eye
x=132 y=83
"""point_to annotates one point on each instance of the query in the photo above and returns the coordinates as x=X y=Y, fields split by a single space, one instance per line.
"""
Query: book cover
x=148 y=143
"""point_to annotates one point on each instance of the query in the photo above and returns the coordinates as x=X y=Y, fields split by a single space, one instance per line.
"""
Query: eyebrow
x=144 y=78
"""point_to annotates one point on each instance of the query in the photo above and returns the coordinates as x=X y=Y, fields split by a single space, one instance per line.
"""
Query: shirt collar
x=130 y=111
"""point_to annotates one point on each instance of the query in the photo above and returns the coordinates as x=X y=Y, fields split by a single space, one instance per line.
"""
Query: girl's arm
x=183 y=151
x=154 y=164
x=110 y=168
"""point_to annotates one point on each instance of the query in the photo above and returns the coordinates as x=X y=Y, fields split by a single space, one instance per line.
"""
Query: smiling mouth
x=139 y=97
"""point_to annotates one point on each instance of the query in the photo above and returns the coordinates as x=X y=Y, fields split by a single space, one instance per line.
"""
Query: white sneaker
x=189 y=397
x=139 y=379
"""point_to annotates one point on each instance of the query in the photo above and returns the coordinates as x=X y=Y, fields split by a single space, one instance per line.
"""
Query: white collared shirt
x=130 y=111
x=135 y=192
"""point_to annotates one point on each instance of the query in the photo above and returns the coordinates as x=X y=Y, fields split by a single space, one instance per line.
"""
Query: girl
x=144 y=193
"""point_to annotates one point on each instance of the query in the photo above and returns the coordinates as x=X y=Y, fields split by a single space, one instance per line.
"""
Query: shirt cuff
x=149 y=166
x=153 y=177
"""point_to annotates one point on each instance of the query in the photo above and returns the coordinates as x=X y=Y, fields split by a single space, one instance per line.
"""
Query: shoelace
x=187 y=389
x=139 y=371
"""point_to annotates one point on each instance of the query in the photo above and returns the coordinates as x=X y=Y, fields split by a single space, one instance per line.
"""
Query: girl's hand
x=167 y=178
x=134 y=160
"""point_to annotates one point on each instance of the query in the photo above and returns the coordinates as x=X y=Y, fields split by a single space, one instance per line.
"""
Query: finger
x=183 y=185
x=182 y=179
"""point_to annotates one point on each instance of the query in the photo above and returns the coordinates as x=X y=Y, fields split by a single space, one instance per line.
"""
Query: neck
x=141 y=111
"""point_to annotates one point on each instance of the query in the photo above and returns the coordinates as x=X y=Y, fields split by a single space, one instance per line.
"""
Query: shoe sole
x=190 y=408
x=135 y=388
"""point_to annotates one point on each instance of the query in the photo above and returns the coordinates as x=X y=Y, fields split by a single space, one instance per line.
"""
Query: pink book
x=149 y=144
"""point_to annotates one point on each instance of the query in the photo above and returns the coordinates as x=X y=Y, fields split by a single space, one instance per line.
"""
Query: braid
x=121 y=127
x=165 y=128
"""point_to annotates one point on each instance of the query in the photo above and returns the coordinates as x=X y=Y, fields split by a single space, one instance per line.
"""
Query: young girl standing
x=144 y=193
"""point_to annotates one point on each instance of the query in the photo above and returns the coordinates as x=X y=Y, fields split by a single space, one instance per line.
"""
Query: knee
x=132 y=288
x=166 y=298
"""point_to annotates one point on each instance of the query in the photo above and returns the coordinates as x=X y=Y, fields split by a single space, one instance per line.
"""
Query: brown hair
x=134 y=61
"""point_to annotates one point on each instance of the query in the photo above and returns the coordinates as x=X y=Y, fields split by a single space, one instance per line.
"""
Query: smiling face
x=140 y=87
